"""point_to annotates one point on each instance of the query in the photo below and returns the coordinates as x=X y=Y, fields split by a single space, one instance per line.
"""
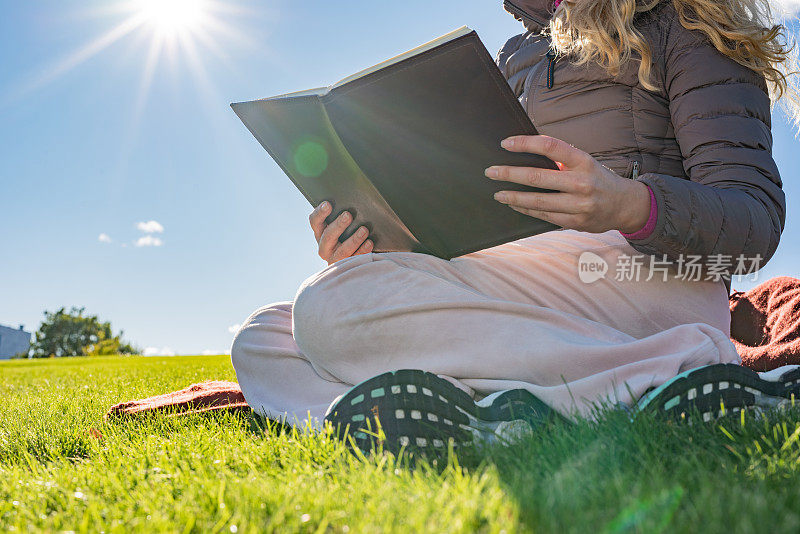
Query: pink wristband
x=555 y=3
x=650 y=225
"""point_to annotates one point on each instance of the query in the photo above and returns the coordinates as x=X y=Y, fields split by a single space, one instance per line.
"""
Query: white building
x=13 y=341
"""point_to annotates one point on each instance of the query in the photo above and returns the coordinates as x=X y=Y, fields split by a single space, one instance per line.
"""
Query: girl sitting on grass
x=658 y=114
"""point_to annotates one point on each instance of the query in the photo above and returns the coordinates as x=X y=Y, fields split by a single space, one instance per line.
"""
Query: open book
x=403 y=147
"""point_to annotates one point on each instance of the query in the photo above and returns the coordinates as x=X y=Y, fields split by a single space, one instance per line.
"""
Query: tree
x=71 y=333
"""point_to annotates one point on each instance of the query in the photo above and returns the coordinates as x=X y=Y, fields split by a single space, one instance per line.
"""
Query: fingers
x=329 y=239
x=555 y=149
x=531 y=176
x=330 y=249
x=317 y=218
x=550 y=202
x=365 y=247
x=351 y=245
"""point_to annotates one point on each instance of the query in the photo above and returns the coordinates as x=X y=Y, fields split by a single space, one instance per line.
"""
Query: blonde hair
x=602 y=31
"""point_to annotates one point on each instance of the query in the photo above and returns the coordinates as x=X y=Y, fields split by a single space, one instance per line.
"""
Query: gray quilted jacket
x=702 y=141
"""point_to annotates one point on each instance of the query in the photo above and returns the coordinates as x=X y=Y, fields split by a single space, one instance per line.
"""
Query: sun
x=171 y=17
x=179 y=31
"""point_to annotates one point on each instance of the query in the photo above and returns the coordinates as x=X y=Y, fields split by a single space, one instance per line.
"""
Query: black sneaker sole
x=419 y=411
x=716 y=390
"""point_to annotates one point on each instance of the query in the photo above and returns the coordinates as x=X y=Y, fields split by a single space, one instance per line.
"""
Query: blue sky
x=96 y=137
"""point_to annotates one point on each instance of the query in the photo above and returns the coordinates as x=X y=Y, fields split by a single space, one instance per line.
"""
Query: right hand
x=327 y=235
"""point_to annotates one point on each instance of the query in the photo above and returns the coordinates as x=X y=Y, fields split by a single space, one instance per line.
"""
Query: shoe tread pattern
x=708 y=389
x=405 y=412
x=425 y=416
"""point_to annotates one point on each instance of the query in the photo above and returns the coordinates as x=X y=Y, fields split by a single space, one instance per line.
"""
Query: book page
x=319 y=91
x=464 y=30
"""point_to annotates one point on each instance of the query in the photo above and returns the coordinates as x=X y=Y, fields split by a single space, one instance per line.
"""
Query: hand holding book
x=588 y=196
x=327 y=235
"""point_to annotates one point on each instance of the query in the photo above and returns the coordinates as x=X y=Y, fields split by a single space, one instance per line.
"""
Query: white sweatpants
x=513 y=316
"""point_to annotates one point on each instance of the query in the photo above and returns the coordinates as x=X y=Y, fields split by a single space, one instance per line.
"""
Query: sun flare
x=180 y=33
x=173 y=16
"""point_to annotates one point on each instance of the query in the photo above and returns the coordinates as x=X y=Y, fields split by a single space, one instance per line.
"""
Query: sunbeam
x=83 y=54
x=174 y=28
x=154 y=52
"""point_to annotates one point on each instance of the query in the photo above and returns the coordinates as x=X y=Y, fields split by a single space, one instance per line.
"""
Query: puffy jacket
x=702 y=141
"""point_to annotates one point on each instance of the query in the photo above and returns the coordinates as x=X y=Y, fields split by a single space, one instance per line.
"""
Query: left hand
x=589 y=197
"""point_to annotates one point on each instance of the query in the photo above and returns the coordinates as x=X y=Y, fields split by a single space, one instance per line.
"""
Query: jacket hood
x=534 y=14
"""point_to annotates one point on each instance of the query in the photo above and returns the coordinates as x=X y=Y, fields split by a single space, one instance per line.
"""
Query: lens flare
x=311 y=159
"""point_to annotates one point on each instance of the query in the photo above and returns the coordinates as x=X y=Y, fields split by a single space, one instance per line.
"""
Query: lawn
x=63 y=468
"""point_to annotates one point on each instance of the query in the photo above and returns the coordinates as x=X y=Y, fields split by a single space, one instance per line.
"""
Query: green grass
x=225 y=473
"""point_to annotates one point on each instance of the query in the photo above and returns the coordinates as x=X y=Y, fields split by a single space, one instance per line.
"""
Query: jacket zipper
x=551 y=67
x=635 y=173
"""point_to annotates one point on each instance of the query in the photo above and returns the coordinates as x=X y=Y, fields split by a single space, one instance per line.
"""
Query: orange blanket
x=204 y=397
x=765 y=327
x=765 y=324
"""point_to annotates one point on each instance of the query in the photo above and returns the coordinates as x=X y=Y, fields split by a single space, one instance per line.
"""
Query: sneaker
x=420 y=411
x=715 y=390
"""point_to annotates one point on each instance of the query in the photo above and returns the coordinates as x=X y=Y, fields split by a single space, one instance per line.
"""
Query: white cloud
x=148 y=241
x=150 y=227
x=209 y=352
x=156 y=351
x=104 y=238
x=234 y=328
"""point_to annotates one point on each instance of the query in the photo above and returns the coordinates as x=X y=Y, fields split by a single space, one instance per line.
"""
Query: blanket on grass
x=203 y=397
x=765 y=324
x=765 y=328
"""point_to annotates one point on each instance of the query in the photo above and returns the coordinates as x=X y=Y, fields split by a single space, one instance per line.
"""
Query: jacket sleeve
x=732 y=203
